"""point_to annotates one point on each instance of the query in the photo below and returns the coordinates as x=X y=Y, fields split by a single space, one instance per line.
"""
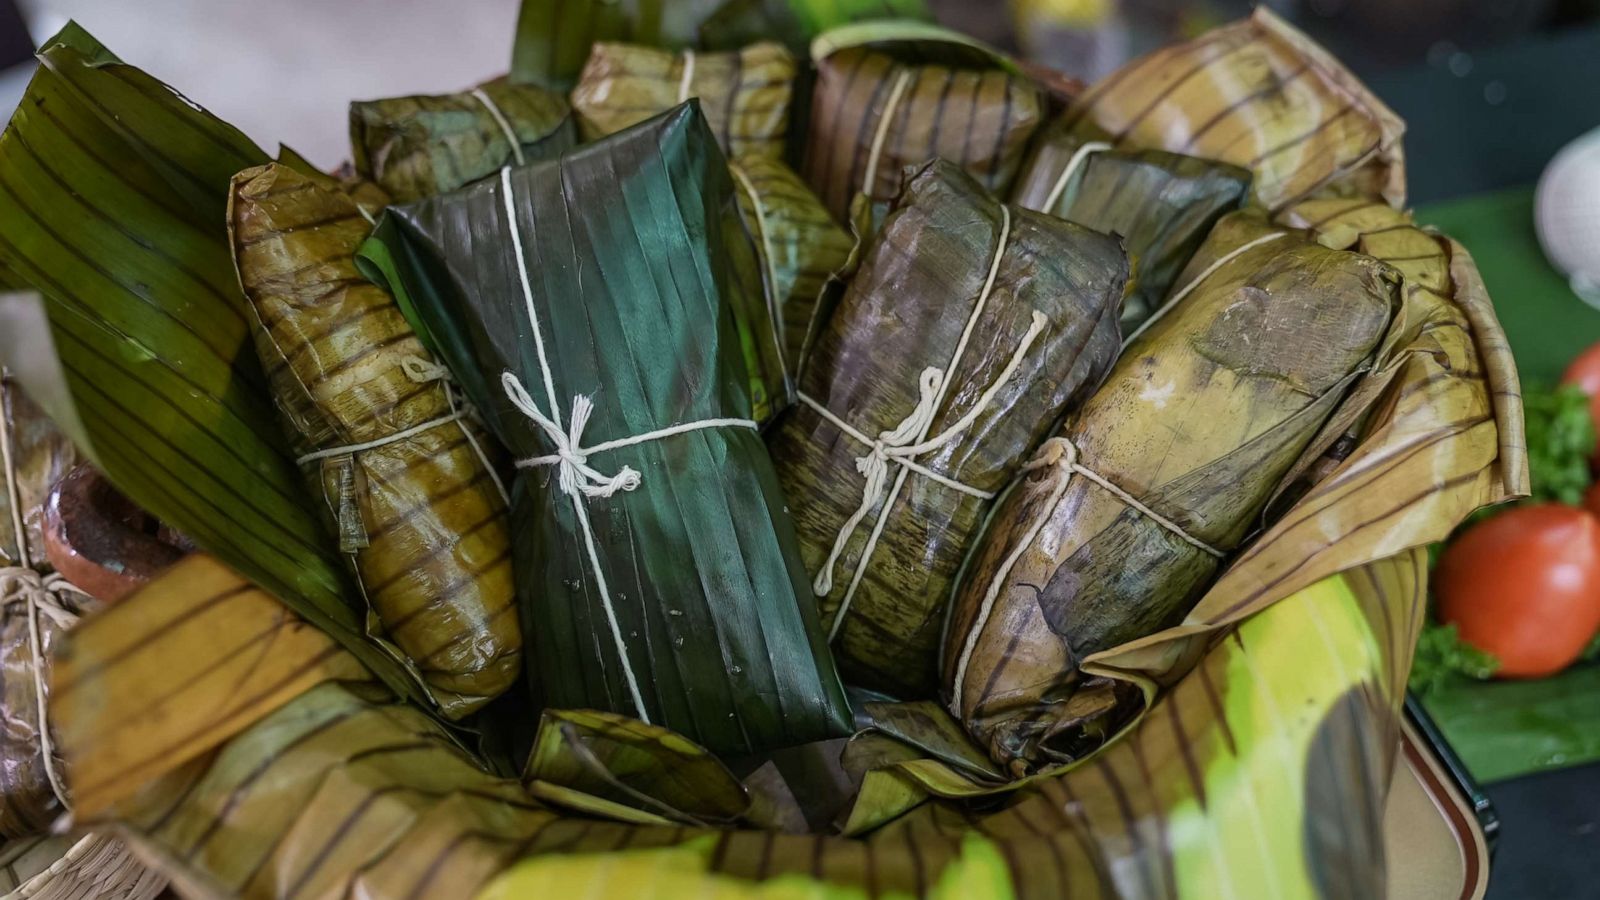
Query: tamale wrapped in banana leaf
x=968 y=330
x=1163 y=472
x=745 y=94
x=798 y=243
x=410 y=495
x=1161 y=204
x=1258 y=94
x=657 y=568
x=32 y=607
x=886 y=99
x=415 y=147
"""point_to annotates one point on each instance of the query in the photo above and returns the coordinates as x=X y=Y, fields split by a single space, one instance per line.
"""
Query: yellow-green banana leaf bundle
x=889 y=96
x=745 y=94
x=798 y=244
x=1161 y=204
x=1261 y=95
x=402 y=477
x=584 y=302
x=966 y=333
x=1199 y=422
x=419 y=146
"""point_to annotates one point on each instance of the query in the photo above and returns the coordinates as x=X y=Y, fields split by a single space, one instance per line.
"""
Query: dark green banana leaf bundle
x=798 y=243
x=1201 y=419
x=982 y=355
x=660 y=578
x=884 y=101
x=1161 y=204
x=412 y=499
x=416 y=147
x=745 y=94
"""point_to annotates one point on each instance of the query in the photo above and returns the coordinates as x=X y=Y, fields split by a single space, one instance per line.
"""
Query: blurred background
x=1491 y=90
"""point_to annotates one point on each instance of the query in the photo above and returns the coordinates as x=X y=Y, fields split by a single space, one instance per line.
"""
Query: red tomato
x=1524 y=586
x=1584 y=372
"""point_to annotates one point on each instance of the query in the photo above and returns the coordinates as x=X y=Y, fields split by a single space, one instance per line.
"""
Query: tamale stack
x=406 y=486
x=1127 y=515
x=745 y=94
x=967 y=332
x=415 y=147
x=1258 y=94
x=657 y=568
x=1161 y=204
x=798 y=244
x=879 y=107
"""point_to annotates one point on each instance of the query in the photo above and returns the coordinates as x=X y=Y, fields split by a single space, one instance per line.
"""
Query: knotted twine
x=575 y=476
x=1060 y=453
x=908 y=440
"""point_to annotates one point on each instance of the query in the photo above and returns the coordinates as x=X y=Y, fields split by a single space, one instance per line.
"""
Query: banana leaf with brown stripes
x=113 y=198
x=418 y=146
x=966 y=333
x=745 y=94
x=895 y=94
x=1161 y=204
x=1220 y=786
x=408 y=489
x=367 y=194
x=554 y=36
x=1261 y=95
x=798 y=244
x=1203 y=417
x=656 y=564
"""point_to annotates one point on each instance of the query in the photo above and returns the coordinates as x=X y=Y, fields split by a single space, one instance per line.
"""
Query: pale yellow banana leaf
x=1261 y=95
x=191 y=659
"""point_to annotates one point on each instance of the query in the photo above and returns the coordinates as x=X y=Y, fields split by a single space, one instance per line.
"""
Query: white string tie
x=685 y=84
x=1062 y=454
x=882 y=132
x=500 y=119
x=1077 y=159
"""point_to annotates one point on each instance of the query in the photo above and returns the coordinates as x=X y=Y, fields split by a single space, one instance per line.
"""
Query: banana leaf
x=415 y=147
x=890 y=95
x=745 y=94
x=1258 y=94
x=1200 y=421
x=28 y=802
x=422 y=519
x=931 y=296
x=554 y=36
x=797 y=242
x=683 y=603
x=113 y=197
x=40 y=456
x=1161 y=204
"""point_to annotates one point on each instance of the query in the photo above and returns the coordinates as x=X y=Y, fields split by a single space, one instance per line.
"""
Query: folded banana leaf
x=798 y=244
x=671 y=590
x=745 y=94
x=890 y=95
x=113 y=199
x=416 y=147
x=419 y=510
x=1202 y=419
x=28 y=801
x=554 y=36
x=1161 y=204
x=1012 y=343
x=1258 y=94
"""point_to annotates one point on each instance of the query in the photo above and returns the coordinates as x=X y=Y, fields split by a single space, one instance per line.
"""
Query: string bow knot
x=575 y=475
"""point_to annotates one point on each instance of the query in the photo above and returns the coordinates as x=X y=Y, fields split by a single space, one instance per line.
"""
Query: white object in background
x=1566 y=214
